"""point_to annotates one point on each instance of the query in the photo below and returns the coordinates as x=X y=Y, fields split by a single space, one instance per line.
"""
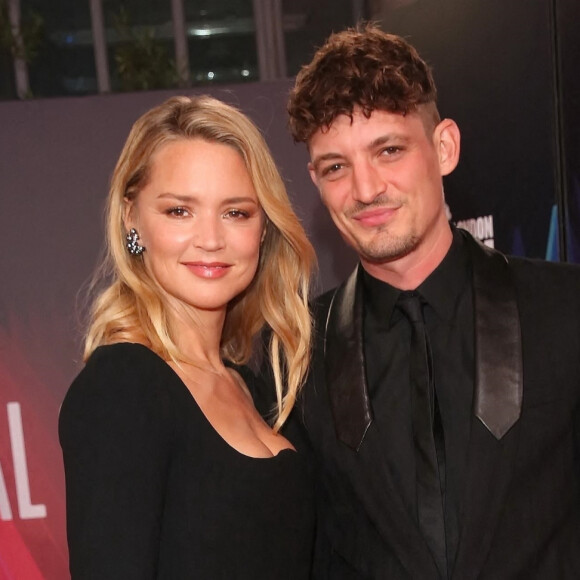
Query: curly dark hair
x=360 y=67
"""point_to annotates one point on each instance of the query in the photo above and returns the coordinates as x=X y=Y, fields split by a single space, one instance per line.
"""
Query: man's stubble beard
x=387 y=248
x=383 y=247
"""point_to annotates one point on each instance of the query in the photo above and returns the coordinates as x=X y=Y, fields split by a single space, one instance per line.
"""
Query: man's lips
x=376 y=216
x=208 y=269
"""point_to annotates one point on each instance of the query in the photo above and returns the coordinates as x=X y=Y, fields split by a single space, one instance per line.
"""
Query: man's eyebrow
x=378 y=142
x=386 y=139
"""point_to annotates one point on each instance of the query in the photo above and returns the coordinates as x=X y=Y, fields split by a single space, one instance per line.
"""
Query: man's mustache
x=381 y=201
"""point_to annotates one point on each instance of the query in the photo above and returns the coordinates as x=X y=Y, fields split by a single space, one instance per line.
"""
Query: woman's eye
x=236 y=214
x=177 y=211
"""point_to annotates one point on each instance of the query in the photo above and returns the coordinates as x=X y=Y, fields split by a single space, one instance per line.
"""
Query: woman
x=170 y=470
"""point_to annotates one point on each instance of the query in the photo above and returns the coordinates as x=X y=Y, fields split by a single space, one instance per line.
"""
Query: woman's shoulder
x=124 y=372
x=121 y=394
x=123 y=353
x=125 y=358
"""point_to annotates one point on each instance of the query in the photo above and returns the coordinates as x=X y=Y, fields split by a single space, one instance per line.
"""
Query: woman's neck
x=198 y=335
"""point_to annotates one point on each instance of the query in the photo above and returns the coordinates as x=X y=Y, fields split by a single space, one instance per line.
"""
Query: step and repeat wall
x=517 y=188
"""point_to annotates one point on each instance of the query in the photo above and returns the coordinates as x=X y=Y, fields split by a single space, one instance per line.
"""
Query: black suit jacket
x=521 y=510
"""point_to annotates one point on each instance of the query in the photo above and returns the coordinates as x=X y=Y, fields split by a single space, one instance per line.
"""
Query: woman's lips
x=209 y=270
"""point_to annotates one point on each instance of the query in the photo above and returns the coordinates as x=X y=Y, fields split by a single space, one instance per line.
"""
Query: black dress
x=154 y=492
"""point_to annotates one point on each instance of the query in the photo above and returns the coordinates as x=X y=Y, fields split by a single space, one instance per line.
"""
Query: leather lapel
x=499 y=383
x=344 y=364
x=353 y=423
x=497 y=406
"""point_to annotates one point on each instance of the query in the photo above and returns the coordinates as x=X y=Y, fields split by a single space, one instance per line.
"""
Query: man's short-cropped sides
x=362 y=67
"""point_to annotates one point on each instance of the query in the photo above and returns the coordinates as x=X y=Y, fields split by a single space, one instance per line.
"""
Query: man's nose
x=368 y=182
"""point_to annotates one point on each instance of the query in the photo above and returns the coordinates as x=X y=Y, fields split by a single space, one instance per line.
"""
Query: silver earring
x=132 y=243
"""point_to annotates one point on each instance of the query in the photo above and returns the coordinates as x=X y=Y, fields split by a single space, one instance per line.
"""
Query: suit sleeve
x=116 y=427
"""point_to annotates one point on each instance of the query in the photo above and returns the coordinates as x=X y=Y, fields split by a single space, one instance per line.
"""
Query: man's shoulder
x=530 y=270
x=537 y=270
x=319 y=309
x=322 y=302
x=525 y=266
x=547 y=289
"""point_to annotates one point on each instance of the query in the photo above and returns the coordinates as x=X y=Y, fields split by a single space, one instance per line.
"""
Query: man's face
x=381 y=180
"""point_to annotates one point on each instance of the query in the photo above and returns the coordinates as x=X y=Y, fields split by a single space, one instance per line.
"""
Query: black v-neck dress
x=153 y=491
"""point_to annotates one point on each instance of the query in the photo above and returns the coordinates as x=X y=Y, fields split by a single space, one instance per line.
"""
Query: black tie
x=425 y=419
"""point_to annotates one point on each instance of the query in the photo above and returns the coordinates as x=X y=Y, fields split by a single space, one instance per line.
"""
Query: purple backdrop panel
x=56 y=158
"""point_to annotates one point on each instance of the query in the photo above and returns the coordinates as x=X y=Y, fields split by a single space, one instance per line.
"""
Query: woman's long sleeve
x=116 y=427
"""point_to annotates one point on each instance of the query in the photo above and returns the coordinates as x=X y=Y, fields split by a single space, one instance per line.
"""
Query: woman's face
x=200 y=221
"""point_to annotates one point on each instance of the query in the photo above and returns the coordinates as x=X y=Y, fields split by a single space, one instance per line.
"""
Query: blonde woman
x=170 y=470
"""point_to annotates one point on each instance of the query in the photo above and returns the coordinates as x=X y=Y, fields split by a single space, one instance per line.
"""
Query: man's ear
x=313 y=176
x=447 y=140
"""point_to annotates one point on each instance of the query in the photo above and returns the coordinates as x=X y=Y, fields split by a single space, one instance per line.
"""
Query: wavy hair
x=361 y=67
x=132 y=307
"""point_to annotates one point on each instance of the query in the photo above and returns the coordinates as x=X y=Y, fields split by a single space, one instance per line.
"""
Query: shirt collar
x=379 y=297
x=445 y=285
x=441 y=289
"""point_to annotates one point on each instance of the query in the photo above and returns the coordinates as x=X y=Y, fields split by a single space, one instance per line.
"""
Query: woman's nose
x=208 y=234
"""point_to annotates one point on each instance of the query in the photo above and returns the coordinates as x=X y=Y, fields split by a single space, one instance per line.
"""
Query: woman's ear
x=264 y=227
x=447 y=140
x=128 y=211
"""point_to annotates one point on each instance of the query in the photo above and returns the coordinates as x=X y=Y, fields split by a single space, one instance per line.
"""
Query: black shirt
x=449 y=321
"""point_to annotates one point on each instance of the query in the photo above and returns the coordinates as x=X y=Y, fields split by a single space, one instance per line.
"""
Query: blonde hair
x=133 y=309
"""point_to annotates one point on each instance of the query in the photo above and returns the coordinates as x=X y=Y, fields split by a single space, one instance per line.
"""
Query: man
x=442 y=405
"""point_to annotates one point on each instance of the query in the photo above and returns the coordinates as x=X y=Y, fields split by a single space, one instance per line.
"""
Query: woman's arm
x=116 y=427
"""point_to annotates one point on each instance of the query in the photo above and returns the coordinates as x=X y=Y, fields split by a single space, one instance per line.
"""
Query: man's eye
x=332 y=168
x=391 y=150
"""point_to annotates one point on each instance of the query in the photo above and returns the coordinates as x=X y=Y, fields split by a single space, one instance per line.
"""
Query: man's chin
x=392 y=251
